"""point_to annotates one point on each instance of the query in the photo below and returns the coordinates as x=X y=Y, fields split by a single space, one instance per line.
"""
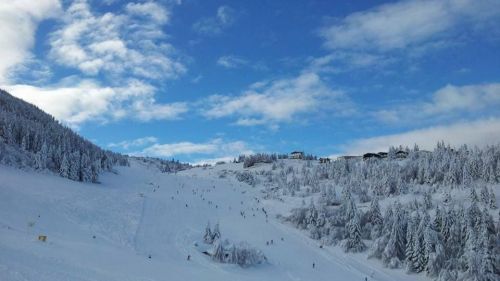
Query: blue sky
x=201 y=80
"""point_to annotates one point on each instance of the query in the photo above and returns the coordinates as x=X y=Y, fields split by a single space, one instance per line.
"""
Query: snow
x=141 y=212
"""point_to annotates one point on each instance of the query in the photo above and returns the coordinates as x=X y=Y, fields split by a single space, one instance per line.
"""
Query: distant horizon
x=206 y=81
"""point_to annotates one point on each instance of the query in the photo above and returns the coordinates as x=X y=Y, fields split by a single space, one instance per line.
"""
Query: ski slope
x=140 y=213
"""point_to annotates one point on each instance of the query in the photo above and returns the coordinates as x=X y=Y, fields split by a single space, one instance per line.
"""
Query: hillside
x=141 y=213
x=142 y=224
x=32 y=138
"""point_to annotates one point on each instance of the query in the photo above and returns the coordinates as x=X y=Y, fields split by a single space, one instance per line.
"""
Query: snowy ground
x=140 y=213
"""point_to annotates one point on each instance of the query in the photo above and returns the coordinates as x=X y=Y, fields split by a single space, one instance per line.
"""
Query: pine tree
x=218 y=253
x=448 y=220
x=438 y=219
x=95 y=169
x=353 y=241
x=485 y=195
x=41 y=157
x=208 y=235
x=394 y=251
x=411 y=251
x=216 y=233
x=492 y=200
x=422 y=256
x=471 y=254
x=64 y=168
x=85 y=168
x=74 y=166
x=487 y=267
x=435 y=251
x=427 y=200
x=375 y=218
x=24 y=143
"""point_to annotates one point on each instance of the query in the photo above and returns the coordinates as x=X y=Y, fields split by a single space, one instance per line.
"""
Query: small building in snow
x=297 y=155
x=349 y=157
x=382 y=154
x=324 y=160
x=367 y=156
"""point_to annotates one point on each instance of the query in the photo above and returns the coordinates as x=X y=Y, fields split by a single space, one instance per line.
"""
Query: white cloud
x=86 y=100
x=224 y=18
x=407 y=23
x=278 y=101
x=149 y=9
x=466 y=98
x=147 y=109
x=134 y=143
x=449 y=101
x=341 y=61
x=125 y=44
x=225 y=15
x=180 y=148
x=216 y=149
x=18 y=23
x=231 y=61
x=481 y=133
x=129 y=48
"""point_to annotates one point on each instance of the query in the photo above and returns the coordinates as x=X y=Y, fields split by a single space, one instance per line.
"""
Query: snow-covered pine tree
x=487 y=271
x=435 y=251
x=64 y=167
x=207 y=237
x=492 y=202
x=471 y=256
x=218 y=252
x=438 y=219
x=374 y=216
x=42 y=157
x=422 y=256
x=353 y=241
x=74 y=166
x=411 y=251
x=216 y=233
x=85 y=168
x=394 y=252
x=427 y=200
x=485 y=195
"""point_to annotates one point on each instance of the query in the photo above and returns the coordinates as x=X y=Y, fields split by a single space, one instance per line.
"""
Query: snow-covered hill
x=32 y=138
x=141 y=224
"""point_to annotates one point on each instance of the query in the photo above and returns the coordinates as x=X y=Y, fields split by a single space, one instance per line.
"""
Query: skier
x=314 y=265
x=189 y=257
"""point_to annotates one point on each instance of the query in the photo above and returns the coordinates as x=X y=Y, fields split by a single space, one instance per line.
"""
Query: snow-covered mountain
x=403 y=215
x=143 y=224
